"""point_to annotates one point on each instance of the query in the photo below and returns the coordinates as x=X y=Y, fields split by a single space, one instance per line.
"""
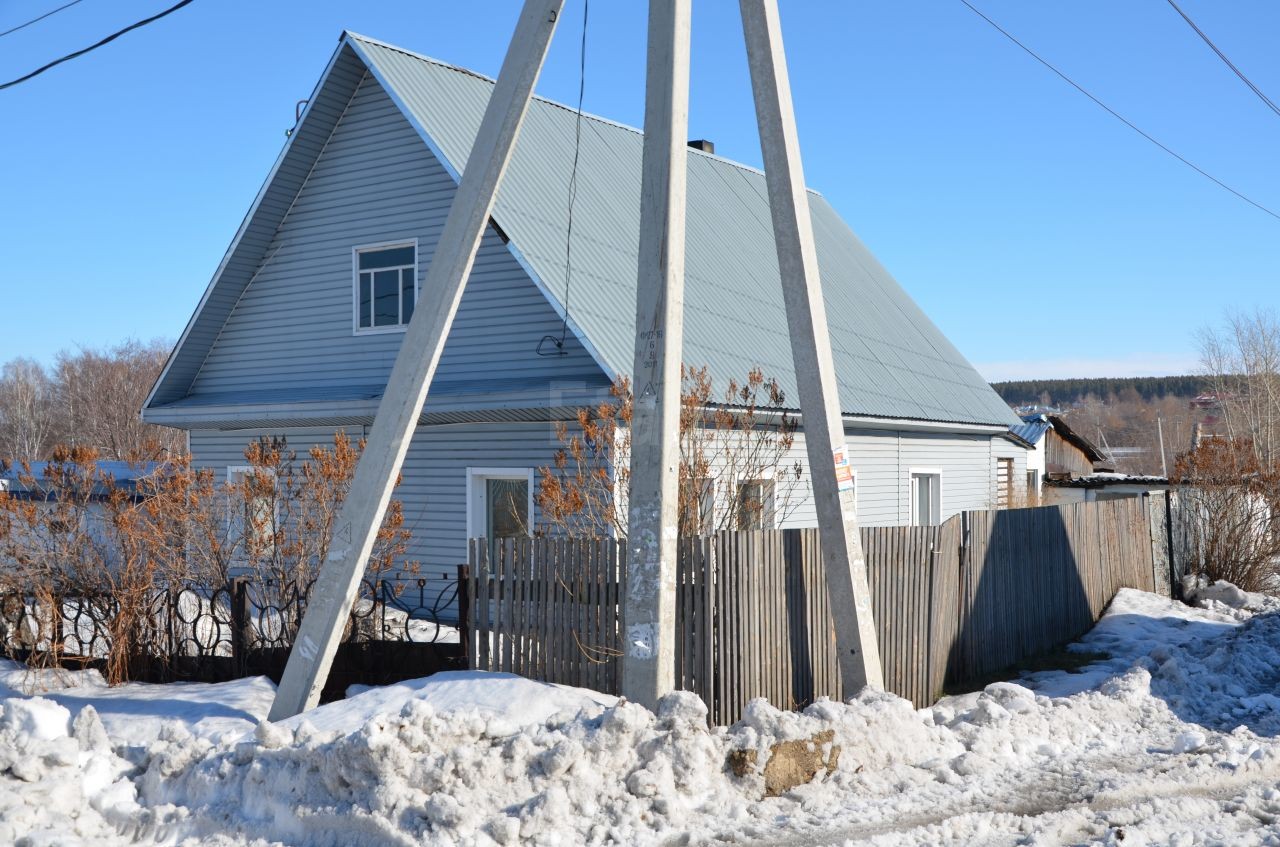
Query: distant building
x=1058 y=453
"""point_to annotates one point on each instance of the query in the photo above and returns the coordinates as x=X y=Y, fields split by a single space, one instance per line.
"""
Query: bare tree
x=1242 y=360
x=28 y=418
x=100 y=393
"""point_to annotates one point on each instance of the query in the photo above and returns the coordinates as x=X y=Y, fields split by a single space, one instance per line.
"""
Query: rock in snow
x=1171 y=739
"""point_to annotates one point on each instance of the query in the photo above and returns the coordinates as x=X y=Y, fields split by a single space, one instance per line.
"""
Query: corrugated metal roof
x=891 y=360
x=1032 y=428
x=124 y=476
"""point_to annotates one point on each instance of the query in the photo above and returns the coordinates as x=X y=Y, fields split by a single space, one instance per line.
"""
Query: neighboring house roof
x=123 y=475
x=1104 y=480
x=1033 y=428
x=891 y=361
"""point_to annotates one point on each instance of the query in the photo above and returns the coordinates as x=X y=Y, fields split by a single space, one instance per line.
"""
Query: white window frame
x=476 y=477
x=243 y=470
x=356 y=329
x=769 y=507
x=912 y=473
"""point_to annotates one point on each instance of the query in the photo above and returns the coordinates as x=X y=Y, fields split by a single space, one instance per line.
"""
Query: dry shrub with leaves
x=1231 y=509
x=71 y=538
x=735 y=466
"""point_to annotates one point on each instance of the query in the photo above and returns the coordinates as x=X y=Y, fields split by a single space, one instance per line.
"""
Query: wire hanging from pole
x=558 y=343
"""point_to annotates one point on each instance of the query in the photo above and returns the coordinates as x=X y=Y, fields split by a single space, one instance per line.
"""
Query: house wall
x=434 y=487
x=376 y=182
x=1003 y=448
x=1061 y=456
x=883 y=460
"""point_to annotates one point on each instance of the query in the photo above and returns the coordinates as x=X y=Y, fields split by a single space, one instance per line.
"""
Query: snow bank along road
x=1170 y=740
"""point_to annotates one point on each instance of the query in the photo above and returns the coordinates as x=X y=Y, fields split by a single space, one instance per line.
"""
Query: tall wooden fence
x=955 y=602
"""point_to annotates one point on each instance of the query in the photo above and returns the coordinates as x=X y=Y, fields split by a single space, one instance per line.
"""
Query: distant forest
x=1068 y=391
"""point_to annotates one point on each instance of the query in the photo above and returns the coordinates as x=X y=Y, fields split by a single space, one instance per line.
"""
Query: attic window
x=385 y=286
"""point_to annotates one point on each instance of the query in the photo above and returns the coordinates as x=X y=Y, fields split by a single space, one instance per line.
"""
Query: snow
x=135 y=714
x=1169 y=737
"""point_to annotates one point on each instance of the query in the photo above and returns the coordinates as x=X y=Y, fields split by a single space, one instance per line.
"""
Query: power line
x=1118 y=116
x=39 y=19
x=1223 y=56
x=112 y=37
x=558 y=343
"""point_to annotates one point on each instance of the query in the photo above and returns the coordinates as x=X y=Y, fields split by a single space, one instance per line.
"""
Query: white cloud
x=1133 y=364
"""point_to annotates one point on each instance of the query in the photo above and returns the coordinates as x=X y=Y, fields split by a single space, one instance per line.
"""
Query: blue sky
x=1043 y=237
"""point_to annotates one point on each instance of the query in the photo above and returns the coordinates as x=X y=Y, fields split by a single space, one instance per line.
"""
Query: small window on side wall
x=386 y=286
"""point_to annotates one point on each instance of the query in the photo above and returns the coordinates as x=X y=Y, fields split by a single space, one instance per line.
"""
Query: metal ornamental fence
x=399 y=628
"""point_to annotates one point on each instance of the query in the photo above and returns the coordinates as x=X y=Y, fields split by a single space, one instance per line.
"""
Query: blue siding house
x=297 y=331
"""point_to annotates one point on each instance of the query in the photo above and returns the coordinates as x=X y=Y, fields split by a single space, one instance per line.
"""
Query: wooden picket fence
x=954 y=602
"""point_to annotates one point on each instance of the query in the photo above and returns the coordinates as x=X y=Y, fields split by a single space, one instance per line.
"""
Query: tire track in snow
x=1063 y=793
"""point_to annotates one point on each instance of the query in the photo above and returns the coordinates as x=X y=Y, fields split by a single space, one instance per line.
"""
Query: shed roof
x=123 y=476
x=891 y=361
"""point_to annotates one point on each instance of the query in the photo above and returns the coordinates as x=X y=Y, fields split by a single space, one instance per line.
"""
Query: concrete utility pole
x=1164 y=465
x=842 y=557
x=401 y=405
x=648 y=613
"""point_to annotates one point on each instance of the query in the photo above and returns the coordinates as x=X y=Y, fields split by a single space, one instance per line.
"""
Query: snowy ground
x=1172 y=739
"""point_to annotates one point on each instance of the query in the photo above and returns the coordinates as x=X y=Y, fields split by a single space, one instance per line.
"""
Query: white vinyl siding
x=376 y=182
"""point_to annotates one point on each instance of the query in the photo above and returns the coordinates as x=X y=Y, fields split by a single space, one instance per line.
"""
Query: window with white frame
x=926 y=498
x=754 y=504
x=386 y=286
x=499 y=502
x=255 y=488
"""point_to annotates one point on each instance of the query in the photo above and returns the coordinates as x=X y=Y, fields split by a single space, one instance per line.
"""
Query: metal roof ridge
x=547 y=100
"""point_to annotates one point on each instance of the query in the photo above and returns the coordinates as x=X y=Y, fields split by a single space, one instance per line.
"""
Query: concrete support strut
x=401 y=405
x=648 y=614
x=842 y=556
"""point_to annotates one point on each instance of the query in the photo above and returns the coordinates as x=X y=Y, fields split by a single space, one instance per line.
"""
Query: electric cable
x=39 y=19
x=1223 y=56
x=1117 y=115
x=112 y=37
x=558 y=343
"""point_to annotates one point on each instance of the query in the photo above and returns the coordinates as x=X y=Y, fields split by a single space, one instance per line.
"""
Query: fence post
x=464 y=613
x=241 y=628
x=1173 y=501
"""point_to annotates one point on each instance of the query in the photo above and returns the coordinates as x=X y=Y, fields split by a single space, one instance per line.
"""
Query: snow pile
x=597 y=774
x=135 y=714
x=1172 y=736
x=61 y=777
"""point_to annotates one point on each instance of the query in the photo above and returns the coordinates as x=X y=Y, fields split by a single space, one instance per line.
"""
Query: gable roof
x=891 y=361
x=1033 y=428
